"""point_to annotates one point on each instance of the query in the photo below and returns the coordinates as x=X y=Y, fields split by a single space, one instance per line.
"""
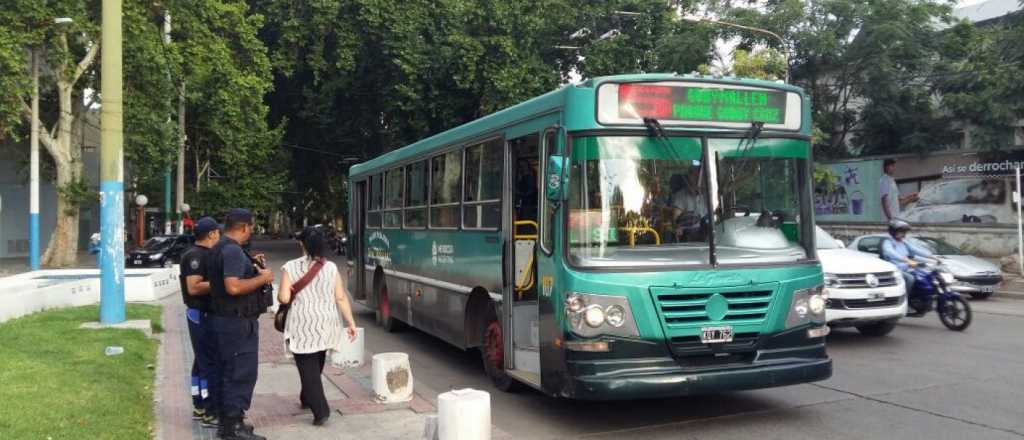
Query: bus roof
x=542 y=104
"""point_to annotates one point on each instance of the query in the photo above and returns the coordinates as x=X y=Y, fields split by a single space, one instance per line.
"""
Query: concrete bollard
x=464 y=415
x=349 y=354
x=392 y=377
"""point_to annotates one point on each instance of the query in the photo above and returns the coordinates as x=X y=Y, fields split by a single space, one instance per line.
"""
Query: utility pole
x=33 y=209
x=179 y=187
x=167 y=175
x=111 y=168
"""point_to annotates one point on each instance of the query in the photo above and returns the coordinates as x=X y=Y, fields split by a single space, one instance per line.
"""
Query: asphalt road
x=920 y=382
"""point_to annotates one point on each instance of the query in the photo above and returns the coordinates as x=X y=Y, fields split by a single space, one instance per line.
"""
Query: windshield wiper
x=745 y=145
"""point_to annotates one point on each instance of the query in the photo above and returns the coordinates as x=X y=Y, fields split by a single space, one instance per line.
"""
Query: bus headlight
x=807 y=306
x=595 y=315
x=615 y=316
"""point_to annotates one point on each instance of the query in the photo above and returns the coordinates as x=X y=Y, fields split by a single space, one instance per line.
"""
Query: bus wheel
x=492 y=352
x=384 y=311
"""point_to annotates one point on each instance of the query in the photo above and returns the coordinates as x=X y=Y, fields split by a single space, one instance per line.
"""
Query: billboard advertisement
x=951 y=188
x=849 y=192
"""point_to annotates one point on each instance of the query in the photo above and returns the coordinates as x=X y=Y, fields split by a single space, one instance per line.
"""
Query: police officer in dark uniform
x=240 y=292
x=195 y=289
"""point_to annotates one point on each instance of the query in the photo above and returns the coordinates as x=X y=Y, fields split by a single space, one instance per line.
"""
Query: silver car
x=974 y=276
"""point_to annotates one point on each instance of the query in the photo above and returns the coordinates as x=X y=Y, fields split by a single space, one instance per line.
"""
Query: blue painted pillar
x=111 y=168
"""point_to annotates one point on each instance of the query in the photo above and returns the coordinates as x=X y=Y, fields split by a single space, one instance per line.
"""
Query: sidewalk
x=275 y=408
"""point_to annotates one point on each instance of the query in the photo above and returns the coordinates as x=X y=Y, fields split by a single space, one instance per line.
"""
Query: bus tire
x=492 y=351
x=384 y=316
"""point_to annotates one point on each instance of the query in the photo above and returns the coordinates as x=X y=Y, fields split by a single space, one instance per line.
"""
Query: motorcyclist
x=902 y=252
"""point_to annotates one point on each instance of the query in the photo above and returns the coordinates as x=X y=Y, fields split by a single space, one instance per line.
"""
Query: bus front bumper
x=643 y=386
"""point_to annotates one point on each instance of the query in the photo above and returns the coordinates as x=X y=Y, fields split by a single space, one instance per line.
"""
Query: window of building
x=445 y=176
x=484 y=166
x=393 y=184
x=416 y=195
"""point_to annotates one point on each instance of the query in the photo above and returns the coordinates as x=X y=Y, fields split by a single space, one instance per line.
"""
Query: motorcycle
x=930 y=291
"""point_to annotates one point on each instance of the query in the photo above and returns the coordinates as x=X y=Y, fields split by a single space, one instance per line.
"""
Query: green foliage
x=866 y=65
x=59 y=384
x=357 y=78
x=77 y=193
x=979 y=79
x=825 y=178
x=768 y=64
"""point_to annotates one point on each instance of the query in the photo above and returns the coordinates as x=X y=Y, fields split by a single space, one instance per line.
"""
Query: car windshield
x=157 y=243
x=936 y=245
x=644 y=201
x=823 y=240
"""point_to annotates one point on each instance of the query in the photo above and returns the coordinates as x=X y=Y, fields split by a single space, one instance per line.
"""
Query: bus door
x=356 y=251
x=522 y=285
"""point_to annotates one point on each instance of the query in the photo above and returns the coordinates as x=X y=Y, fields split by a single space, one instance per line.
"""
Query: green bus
x=628 y=237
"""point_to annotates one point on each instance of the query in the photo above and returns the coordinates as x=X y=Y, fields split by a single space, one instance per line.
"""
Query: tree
x=67 y=53
x=357 y=78
x=978 y=79
x=866 y=65
x=215 y=50
x=225 y=71
x=767 y=64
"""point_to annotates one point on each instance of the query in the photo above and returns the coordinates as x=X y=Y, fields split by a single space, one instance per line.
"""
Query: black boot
x=235 y=429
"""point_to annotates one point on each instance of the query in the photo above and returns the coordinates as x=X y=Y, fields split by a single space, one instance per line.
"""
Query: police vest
x=197 y=256
x=242 y=306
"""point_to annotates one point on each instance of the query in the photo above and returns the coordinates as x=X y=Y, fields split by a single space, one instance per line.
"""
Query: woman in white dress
x=314 y=325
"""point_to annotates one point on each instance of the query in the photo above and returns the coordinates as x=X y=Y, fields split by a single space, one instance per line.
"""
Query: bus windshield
x=759 y=188
x=643 y=201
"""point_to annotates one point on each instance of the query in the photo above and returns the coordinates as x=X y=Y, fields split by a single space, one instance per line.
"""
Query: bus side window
x=416 y=195
x=445 y=178
x=547 y=215
x=482 y=203
x=393 y=184
x=376 y=199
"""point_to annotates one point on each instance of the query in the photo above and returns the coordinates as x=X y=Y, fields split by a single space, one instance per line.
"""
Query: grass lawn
x=56 y=382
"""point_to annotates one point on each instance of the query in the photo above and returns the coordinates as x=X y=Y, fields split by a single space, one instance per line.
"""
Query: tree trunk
x=63 y=248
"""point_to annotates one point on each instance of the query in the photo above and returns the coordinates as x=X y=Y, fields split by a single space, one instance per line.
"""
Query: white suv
x=863 y=290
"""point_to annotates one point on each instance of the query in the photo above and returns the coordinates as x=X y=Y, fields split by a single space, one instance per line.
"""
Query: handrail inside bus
x=633 y=232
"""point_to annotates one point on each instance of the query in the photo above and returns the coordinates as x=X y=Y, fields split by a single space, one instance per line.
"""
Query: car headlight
x=807 y=306
x=947 y=277
x=594 y=315
x=156 y=256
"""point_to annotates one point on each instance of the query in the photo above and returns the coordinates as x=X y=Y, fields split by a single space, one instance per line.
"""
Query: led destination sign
x=701 y=104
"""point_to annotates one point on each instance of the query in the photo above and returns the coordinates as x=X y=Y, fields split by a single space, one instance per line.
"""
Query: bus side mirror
x=556 y=180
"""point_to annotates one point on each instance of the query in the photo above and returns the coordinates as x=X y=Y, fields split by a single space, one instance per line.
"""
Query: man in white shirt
x=892 y=202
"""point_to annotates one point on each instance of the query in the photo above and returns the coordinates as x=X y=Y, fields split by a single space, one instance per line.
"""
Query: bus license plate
x=715 y=335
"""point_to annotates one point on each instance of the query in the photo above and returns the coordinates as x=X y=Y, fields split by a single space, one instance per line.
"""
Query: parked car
x=974 y=276
x=863 y=291
x=160 y=251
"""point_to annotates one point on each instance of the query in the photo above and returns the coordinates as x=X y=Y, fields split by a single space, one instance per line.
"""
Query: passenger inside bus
x=688 y=206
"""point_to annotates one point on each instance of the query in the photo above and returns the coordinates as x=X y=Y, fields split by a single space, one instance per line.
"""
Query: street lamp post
x=140 y=222
x=782 y=42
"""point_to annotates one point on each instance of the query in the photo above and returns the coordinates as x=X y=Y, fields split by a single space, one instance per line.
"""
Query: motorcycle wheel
x=955 y=314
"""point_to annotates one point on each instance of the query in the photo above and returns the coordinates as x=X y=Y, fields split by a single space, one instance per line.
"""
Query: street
x=921 y=381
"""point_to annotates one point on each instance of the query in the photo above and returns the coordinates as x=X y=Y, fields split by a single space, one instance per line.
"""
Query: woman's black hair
x=314 y=241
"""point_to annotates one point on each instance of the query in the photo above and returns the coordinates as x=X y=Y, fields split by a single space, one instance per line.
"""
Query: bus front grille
x=682 y=309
